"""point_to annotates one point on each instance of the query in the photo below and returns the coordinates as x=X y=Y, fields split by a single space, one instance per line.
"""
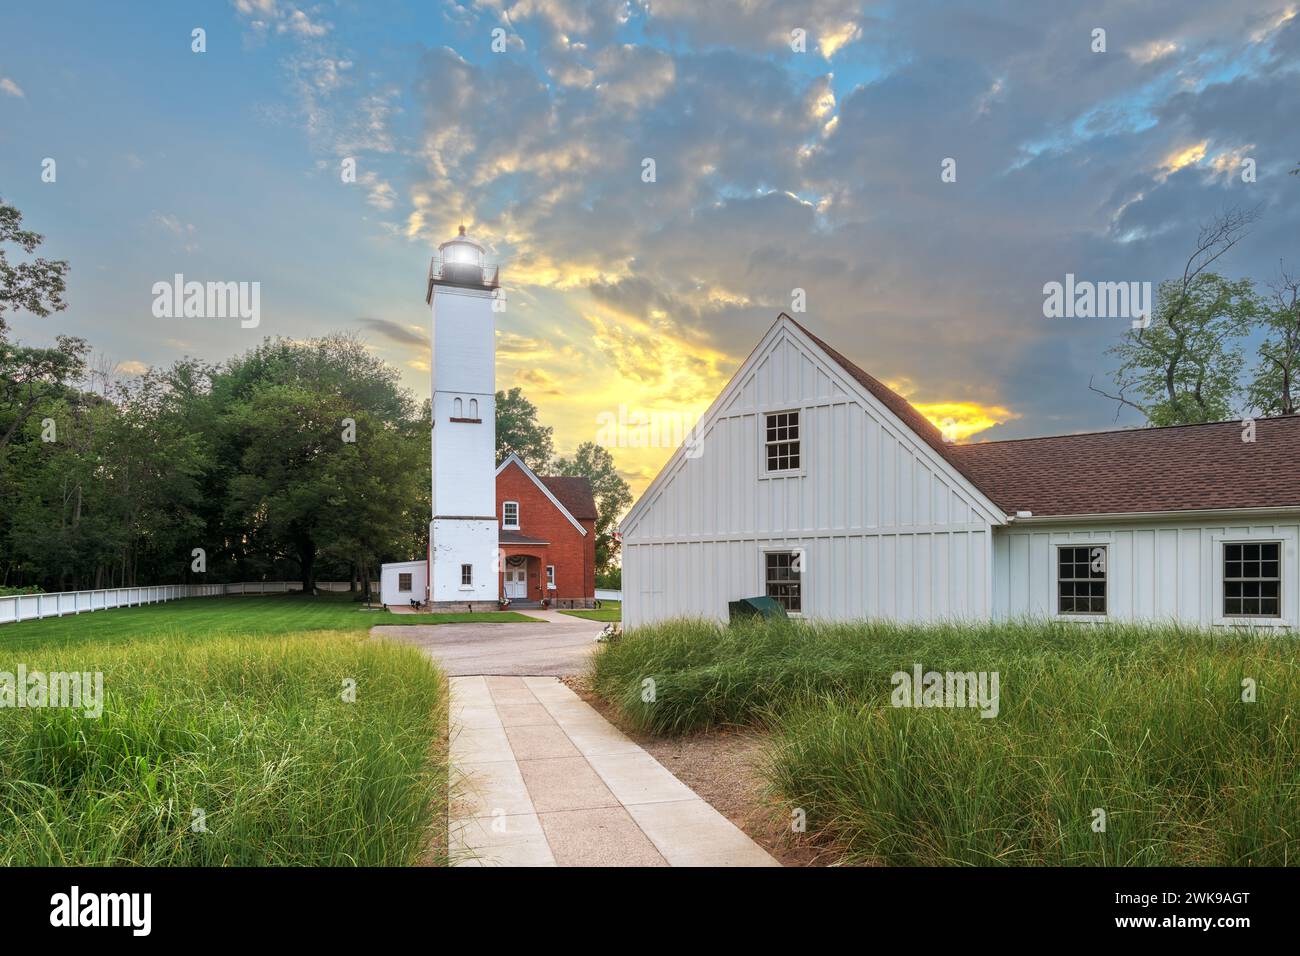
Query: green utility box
x=756 y=607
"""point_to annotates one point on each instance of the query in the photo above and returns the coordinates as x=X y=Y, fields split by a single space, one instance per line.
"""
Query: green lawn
x=208 y=616
x=1146 y=725
x=226 y=738
x=609 y=611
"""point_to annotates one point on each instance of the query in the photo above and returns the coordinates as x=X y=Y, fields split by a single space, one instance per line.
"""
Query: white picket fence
x=605 y=595
x=33 y=607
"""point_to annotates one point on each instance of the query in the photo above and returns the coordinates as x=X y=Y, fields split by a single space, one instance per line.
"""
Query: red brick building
x=547 y=537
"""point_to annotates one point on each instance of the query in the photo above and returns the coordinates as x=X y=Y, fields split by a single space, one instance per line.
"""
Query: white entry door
x=516 y=583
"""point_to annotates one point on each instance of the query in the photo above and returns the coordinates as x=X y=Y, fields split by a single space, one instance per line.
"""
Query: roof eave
x=1190 y=513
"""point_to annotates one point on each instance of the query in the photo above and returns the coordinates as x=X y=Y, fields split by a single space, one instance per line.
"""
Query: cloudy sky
x=775 y=169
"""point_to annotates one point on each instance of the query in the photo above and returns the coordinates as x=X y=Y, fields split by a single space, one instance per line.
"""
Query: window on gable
x=466 y=575
x=510 y=515
x=781 y=442
x=1252 y=579
x=784 y=577
x=1081 y=579
x=403 y=582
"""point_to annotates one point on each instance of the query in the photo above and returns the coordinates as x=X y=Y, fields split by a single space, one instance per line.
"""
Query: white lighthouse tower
x=463 y=530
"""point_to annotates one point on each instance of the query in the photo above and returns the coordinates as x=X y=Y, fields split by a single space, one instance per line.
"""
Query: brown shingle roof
x=574 y=493
x=1125 y=471
x=1134 y=470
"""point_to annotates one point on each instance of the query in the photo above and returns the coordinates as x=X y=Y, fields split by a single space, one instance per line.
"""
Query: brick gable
x=571 y=552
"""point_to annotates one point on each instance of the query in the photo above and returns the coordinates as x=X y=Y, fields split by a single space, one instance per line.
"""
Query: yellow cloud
x=960 y=420
x=538 y=381
x=1150 y=52
x=1186 y=156
x=632 y=384
x=834 y=39
x=1259 y=36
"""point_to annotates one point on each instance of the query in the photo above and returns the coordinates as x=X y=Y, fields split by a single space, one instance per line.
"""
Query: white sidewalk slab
x=542 y=779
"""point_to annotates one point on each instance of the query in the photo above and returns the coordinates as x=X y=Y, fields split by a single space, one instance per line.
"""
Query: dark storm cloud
x=398 y=333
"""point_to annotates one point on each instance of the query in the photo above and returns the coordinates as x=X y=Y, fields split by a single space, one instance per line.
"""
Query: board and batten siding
x=886 y=529
x=1157 y=570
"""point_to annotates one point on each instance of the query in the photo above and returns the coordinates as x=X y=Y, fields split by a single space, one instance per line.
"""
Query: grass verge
x=609 y=612
x=210 y=616
x=1146 y=724
x=245 y=723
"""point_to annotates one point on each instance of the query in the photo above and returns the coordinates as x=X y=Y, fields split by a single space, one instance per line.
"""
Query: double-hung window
x=1081 y=579
x=781 y=445
x=1252 y=579
x=784 y=578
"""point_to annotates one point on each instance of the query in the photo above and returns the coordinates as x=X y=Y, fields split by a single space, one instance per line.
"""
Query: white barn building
x=810 y=481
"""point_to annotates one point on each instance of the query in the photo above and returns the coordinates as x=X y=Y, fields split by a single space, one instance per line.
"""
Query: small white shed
x=404 y=582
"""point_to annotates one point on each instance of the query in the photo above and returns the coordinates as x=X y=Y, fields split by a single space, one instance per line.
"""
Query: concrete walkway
x=541 y=779
x=555 y=644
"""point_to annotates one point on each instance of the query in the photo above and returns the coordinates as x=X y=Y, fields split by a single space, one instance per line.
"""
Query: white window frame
x=801 y=554
x=1286 y=554
x=550 y=577
x=467 y=585
x=763 y=443
x=505 y=524
x=1089 y=543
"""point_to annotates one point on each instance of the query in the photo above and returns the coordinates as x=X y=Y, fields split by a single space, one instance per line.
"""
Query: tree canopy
x=294 y=459
x=1188 y=365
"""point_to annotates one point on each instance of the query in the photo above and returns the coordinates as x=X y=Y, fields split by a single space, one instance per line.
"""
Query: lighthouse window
x=466 y=575
x=457 y=409
x=473 y=408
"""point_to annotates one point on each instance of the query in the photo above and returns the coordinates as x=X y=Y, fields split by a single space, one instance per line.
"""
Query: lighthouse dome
x=461 y=261
x=462 y=255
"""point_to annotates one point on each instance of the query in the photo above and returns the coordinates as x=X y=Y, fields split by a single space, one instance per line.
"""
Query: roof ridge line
x=1128 y=430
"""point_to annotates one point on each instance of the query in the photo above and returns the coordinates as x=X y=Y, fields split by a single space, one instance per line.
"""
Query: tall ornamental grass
x=253 y=733
x=1113 y=745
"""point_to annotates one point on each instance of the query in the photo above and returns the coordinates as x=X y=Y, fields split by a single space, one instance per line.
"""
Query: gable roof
x=894 y=404
x=1142 y=470
x=1122 y=471
x=574 y=493
x=904 y=410
x=515 y=459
